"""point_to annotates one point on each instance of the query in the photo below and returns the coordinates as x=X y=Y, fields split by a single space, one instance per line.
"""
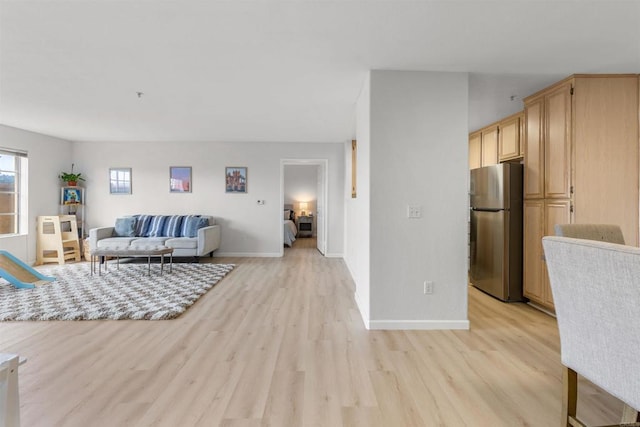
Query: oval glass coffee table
x=131 y=252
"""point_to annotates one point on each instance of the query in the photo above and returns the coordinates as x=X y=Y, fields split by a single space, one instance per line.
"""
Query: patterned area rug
x=127 y=293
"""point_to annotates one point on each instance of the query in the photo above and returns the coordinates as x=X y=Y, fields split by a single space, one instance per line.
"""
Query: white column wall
x=418 y=125
x=357 y=212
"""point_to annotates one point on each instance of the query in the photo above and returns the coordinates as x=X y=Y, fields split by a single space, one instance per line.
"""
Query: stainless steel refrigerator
x=495 y=239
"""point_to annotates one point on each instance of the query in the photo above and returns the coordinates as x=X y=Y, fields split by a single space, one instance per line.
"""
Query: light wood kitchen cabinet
x=483 y=147
x=581 y=163
x=540 y=218
x=522 y=135
x=509 y=138
x=557 y=142
x=490 y=145
x=534 y=149
x=475 y=150
x=555 y=212
x=533 y=280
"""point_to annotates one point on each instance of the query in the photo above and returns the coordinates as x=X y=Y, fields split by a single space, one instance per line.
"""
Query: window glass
x=9 y=193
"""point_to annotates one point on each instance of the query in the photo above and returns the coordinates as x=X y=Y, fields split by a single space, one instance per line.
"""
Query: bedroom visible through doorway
x=303 y=196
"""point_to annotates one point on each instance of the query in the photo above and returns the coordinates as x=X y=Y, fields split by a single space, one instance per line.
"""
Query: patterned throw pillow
x=156 y=226
x=142 y=225
x=173 y=226
x=193 y=224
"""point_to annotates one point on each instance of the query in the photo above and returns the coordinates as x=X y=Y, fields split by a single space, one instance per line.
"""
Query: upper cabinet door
x=475 y=150
x=490 y=145
x=509 y=138
x=534 y=149
x=557 y=142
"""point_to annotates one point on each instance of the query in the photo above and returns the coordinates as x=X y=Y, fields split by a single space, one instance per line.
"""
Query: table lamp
x=303 y=208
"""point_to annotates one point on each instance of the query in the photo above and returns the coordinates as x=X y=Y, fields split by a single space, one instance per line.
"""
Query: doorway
x=303 y=184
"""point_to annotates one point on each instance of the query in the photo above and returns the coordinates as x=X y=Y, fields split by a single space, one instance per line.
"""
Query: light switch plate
x=414 y=211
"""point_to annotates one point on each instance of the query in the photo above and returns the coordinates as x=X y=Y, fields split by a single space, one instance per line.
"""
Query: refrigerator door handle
x=486 y=210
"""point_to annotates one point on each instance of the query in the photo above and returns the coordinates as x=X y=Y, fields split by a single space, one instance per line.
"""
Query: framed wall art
x=180 y=179
x=120 y=180
x=235 y=179
x=72 y=196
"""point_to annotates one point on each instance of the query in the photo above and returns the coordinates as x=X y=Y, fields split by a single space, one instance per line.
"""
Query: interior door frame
x=323 y=164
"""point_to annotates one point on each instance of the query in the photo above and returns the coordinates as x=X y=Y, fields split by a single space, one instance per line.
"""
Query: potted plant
x=70 y=178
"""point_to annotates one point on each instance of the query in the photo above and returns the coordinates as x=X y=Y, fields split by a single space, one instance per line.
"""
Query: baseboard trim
x=541 y=308
x=333 y=255
x=363 y=309
x=419 y=324
x=247 y=254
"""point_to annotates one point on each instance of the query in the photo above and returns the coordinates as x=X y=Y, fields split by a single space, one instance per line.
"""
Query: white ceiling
x=282 y=70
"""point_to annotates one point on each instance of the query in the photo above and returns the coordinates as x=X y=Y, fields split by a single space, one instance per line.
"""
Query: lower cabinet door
x=556 y=212
x=532 y=262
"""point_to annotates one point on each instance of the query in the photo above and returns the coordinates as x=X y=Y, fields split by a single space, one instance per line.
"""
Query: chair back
x=604 y=232
x=596 y=291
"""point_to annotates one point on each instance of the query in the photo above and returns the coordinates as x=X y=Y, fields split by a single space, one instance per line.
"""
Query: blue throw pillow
x=125 y=227
x=173 y=226
x=142 y=225
x=193 y=224
x=156 y=226
x=185 y=222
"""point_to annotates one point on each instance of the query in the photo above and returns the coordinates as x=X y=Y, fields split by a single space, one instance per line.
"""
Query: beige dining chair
x=596 y=296
x=606 y=233
x=603 y=232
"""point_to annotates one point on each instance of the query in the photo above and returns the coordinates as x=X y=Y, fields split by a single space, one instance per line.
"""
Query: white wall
x=418 y=157
x=47 y=157
x=247 y=228
x=412 y=133
x=357 y=210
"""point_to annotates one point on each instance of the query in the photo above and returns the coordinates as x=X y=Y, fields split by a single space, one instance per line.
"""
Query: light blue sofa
x=188 y=235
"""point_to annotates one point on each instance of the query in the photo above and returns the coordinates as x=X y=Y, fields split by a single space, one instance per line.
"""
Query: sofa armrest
x=100 y=233
x=208 y=239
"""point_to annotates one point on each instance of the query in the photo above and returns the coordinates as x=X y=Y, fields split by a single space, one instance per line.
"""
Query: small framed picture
x=71 y=196
x=120 y=180
x=236 y=179
x=180 y=179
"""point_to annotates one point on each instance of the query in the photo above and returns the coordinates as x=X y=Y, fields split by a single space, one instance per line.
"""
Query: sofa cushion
x=149 y=241
x=173 y=226
x=115 y=242
x=142 y=224
x=125 y=227
x=192 y=225
x=182 y=243
x=156 y=226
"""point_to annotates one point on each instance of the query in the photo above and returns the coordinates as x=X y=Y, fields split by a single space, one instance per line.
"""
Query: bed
x=290 y=229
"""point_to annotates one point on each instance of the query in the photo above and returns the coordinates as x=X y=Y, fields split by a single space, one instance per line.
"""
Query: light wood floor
x=280 y=342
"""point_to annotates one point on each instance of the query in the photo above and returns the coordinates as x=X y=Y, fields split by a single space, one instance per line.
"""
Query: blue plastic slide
x=20 y=274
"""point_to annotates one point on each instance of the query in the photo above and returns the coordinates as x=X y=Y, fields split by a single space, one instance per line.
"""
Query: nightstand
x=305 y=226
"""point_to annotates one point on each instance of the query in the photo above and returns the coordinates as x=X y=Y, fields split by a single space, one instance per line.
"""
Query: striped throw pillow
x=156 y=226
x=194 y=224
x=142 y=225
x=184 y=230
x=173 y=226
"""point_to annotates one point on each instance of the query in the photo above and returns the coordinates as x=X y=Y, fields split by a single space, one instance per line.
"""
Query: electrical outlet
x=428 y=287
